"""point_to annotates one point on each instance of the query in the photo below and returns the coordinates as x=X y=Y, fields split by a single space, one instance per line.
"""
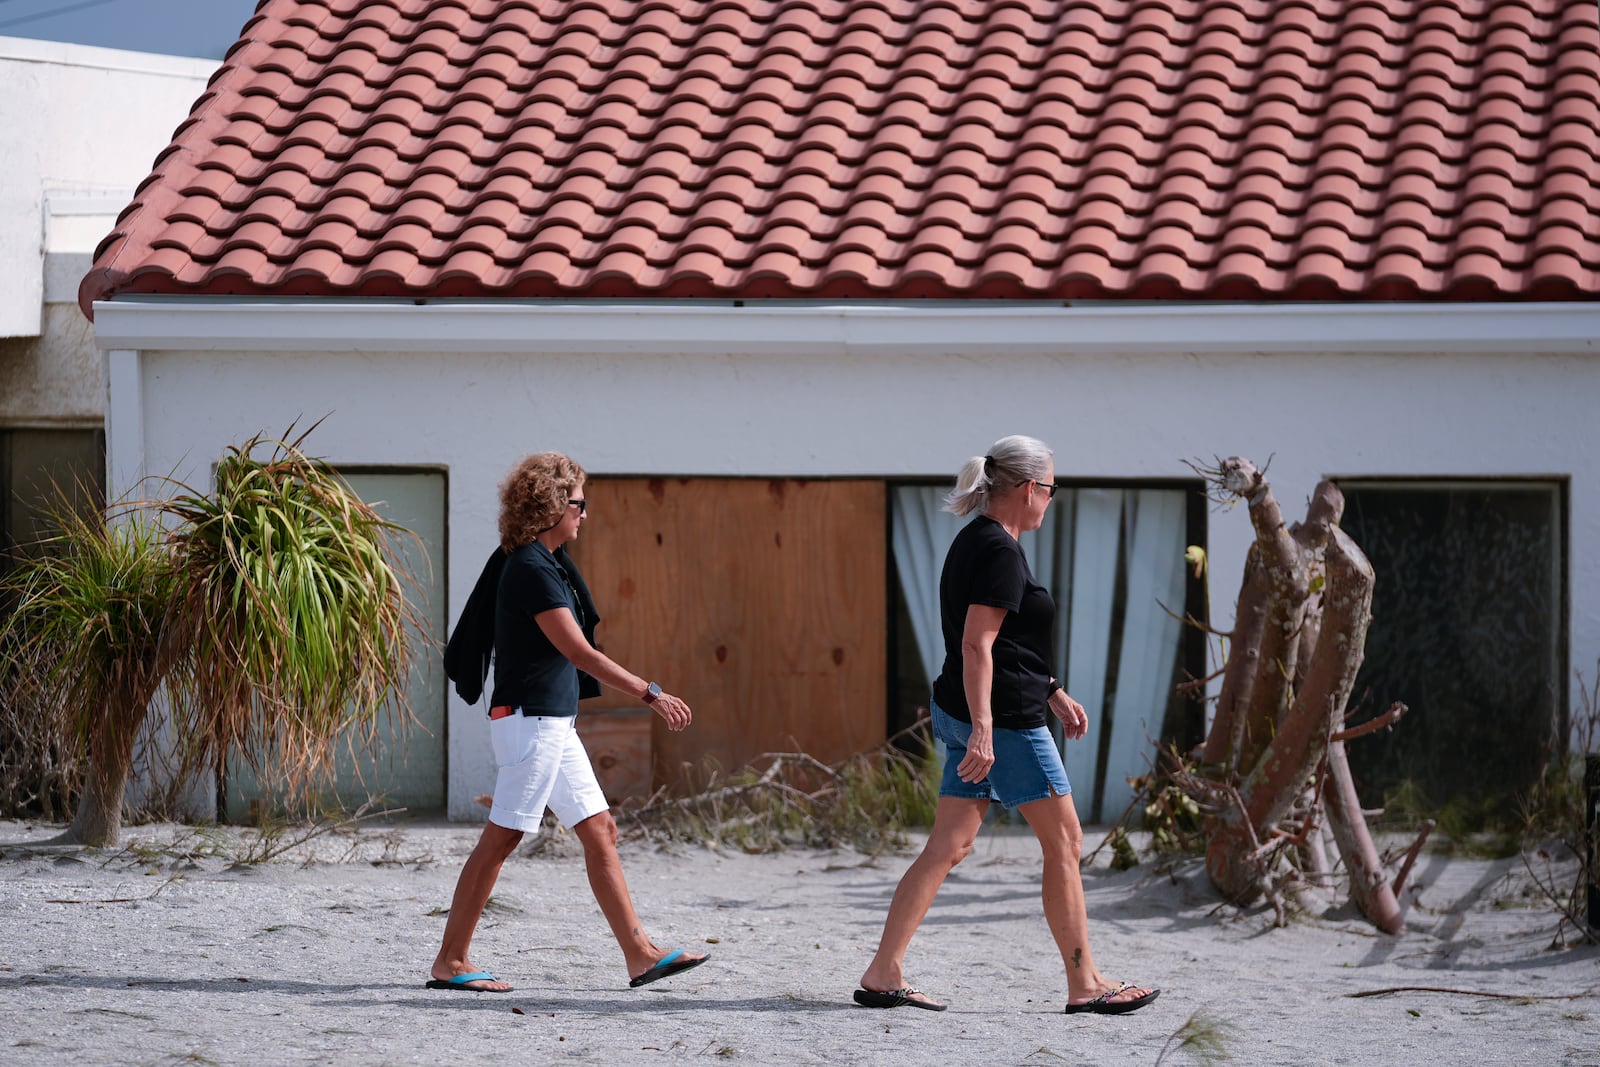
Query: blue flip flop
x=459 y=982
x=672 y=963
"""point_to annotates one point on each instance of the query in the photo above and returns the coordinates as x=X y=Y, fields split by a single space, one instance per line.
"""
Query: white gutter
x=800 y=328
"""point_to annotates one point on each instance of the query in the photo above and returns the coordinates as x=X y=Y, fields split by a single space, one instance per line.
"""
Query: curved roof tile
x=1060 y=149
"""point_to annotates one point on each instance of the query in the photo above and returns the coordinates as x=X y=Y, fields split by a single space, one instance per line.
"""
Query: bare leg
x=473 y=887
x=955 y=827
x=1055 y=822
x=598 y=834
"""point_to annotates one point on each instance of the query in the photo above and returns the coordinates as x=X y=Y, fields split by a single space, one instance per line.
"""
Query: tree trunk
x=1239 y=673
x=1368 y=885
x=1287 y=588
x=1298 y=677
x=98 y=820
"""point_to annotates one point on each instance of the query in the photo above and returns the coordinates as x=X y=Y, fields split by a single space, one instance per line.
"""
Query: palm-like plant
x=85 y=640
x=291 y=616
x=268 y=612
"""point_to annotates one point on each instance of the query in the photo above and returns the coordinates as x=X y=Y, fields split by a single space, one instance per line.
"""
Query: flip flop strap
x=473 y=976
x=669 y=957
x=1105 y=998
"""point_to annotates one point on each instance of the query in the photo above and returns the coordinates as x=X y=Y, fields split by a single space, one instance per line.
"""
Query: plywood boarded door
x=760 y=602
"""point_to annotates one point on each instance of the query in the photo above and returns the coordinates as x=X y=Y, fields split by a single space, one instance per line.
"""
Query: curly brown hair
x=534 y=495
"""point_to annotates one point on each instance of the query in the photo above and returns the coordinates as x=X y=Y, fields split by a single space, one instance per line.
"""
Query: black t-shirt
x=529 y=671
x=987 y=566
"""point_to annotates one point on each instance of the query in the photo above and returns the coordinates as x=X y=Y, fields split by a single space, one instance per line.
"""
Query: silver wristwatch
x=651 y=691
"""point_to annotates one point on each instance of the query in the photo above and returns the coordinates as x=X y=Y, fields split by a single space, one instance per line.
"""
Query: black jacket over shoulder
x=471 y=647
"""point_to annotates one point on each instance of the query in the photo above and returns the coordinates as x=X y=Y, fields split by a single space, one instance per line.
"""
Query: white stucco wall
x=79 y=128
x=841 y=404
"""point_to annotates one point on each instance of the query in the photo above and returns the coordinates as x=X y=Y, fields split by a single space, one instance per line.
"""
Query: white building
x=78 y=129
x=767 y=312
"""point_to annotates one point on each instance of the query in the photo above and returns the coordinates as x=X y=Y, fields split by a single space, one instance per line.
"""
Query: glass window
x=1468 y=629
x=33 y=464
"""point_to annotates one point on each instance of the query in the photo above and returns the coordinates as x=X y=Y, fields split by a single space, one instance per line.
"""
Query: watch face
x=652 y=691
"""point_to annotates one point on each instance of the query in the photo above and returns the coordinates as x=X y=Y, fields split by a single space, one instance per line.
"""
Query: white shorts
x=542 y=764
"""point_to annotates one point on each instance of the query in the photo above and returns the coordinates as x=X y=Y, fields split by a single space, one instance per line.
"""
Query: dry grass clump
x=1559 y=827
x=783 y=799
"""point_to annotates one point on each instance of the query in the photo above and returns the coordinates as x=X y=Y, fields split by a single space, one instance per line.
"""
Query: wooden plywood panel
x=760 y=602
x=619 y=744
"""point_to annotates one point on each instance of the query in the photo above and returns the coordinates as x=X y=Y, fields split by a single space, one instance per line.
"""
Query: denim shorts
x=1027 y=765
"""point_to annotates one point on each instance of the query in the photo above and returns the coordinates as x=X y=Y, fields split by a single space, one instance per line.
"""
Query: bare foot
x=445 y=975
x=883 y=981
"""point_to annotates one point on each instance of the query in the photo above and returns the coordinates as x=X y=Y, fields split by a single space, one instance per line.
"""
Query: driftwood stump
x=1273 y=767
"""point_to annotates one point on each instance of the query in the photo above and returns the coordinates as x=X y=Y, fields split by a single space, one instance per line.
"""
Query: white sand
x=319 y=957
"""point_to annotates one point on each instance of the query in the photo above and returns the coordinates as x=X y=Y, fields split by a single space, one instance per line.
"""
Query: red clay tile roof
x=1062 y=149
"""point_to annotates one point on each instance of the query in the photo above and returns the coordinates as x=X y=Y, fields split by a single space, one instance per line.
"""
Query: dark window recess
x=38 y=470
x=1468 y=629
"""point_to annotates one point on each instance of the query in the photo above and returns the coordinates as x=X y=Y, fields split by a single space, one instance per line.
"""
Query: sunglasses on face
x=581 y=504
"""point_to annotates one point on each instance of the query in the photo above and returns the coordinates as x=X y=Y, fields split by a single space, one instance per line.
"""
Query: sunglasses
x=1049 y=487
x=581 y=504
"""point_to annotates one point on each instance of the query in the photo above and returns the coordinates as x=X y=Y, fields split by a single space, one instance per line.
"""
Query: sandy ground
x=167 y=951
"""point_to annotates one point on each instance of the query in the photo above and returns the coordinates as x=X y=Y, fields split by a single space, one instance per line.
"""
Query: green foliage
x=81 y=651
x=1169 y=813
x=1123 y=855
x=289 y=611
x=1173 y=817
x=268 y=612
x=1484 y=826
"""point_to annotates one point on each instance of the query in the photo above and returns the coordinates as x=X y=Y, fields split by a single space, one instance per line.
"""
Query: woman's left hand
x=1074 y=720
x=675 y=711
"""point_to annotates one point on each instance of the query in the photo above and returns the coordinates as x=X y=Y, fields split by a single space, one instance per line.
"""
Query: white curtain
x=922 y=536
x=1085 y=634
x=1150 y=637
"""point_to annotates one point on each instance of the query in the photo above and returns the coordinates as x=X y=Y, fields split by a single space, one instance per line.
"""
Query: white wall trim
x=94 y=57
x=125 y=455
x=799 y=328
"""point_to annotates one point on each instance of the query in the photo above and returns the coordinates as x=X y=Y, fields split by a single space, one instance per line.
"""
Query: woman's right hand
x=675 y=711
x=974 y=766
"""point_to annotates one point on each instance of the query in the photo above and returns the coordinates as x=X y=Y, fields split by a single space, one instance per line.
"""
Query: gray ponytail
x=1009 y=462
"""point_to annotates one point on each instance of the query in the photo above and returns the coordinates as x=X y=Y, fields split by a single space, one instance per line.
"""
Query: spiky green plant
x=267 y=613
x=292 y=617
x=85 y=641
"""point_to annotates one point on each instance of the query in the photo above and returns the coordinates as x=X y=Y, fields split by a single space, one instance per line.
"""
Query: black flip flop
x=1104 y=1005
x=896 y=998
x=672 y=963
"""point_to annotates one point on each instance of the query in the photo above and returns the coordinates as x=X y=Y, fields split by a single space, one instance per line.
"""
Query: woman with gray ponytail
x=990 y=706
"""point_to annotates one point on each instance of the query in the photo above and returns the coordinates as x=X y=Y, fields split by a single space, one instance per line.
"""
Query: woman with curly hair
x=541 y=659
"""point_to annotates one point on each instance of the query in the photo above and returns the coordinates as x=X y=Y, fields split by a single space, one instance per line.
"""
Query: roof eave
x=806 y=327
